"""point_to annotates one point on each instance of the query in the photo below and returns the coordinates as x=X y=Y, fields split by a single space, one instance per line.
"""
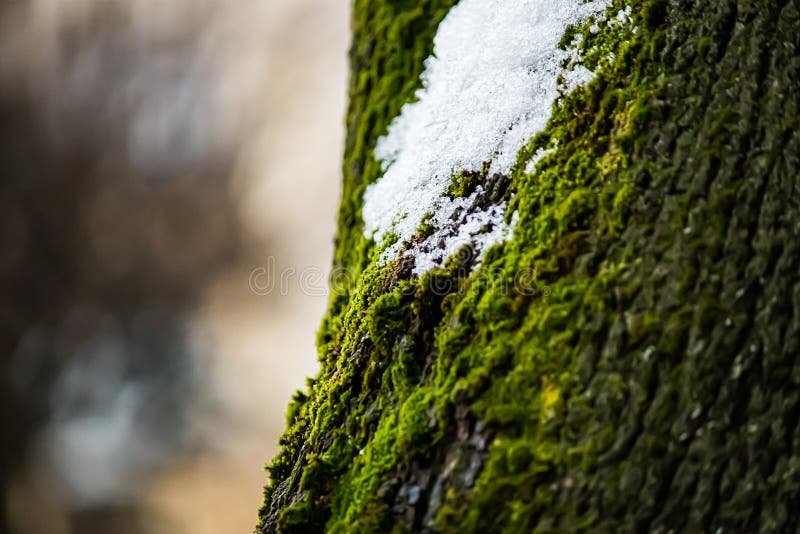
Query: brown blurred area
x=153 y=155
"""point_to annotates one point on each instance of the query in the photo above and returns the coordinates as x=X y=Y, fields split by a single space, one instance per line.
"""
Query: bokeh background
x=161 y=164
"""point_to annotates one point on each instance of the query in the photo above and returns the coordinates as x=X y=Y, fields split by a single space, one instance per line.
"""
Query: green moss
x=622 y=207
x=577 y=210
x=588 y=365
x=301 y=516
x=464 y=183
x=426 y=229
x=415 y=425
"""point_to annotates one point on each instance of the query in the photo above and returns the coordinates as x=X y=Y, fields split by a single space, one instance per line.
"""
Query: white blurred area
x=255 y=90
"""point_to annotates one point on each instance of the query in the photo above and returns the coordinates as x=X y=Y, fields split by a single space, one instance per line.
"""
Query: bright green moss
x=416 y=423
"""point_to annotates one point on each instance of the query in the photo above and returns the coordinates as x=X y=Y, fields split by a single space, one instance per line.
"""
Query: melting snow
x=487 y=89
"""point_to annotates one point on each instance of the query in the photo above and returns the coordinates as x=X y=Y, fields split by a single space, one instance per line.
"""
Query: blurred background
x=161 y=164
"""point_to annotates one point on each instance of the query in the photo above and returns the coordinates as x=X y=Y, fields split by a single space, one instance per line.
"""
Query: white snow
x=458 y=225
x=487 y=89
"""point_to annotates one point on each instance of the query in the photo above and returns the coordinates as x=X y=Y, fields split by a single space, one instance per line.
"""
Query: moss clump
x=426 y=228
x=641 y=374
x=465 y=183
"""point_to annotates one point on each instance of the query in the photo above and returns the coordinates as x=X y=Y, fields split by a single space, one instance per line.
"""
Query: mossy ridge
x=599 y=393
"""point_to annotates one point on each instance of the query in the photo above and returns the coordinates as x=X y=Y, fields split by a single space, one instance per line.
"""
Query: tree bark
x=649 y=383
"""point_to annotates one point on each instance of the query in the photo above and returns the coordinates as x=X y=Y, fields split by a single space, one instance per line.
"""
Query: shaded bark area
x=671 y=339
x=708 y=435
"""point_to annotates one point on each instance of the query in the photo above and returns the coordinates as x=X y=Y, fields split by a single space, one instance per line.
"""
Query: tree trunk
x=626 y=359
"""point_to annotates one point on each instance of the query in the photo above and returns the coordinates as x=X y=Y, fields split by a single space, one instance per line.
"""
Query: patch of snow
x=461 y=228
x=487 y=89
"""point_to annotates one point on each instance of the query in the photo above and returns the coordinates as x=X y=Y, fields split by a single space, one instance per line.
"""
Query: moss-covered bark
x=629 y=360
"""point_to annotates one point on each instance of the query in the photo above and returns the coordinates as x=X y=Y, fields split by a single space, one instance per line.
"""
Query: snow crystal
x=487 y=89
